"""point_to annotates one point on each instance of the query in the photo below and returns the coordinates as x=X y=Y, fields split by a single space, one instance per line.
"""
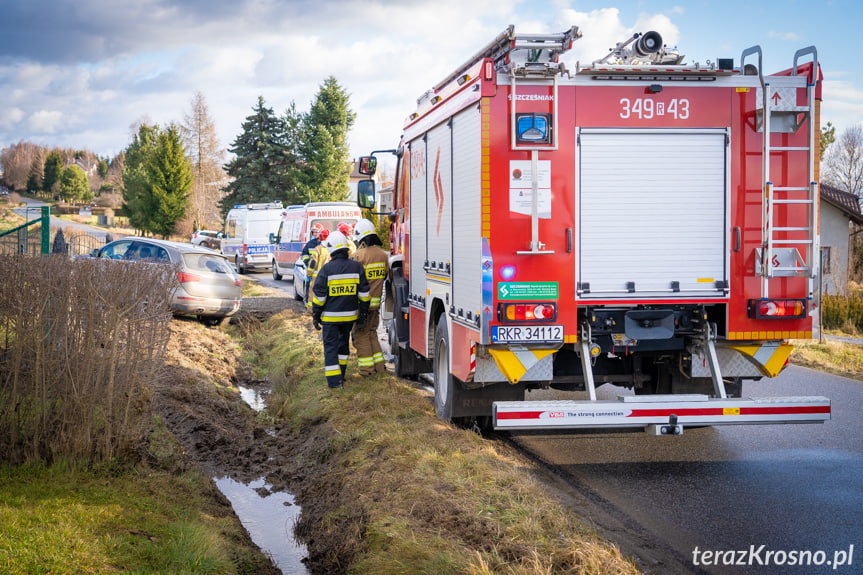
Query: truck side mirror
x=366 y=194
x=368 y=165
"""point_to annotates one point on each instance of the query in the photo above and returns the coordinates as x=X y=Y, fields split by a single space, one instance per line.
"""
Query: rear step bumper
x=661 y=414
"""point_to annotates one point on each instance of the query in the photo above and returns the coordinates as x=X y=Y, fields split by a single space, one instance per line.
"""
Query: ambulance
x=294 y=230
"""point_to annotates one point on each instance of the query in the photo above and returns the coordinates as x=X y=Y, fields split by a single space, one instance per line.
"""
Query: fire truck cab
x=636 y=221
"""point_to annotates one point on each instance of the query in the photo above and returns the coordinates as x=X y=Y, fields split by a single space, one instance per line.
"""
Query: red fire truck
x=636 y=221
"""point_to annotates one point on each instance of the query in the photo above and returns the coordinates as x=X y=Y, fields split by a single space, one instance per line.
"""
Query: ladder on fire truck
x=780 y=113
x=527 y=56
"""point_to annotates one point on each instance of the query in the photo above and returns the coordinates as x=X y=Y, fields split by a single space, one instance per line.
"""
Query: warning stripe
x=686 y=412
x=721 y=411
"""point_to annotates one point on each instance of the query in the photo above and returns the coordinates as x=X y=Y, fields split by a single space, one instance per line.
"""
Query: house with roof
x=840 y=216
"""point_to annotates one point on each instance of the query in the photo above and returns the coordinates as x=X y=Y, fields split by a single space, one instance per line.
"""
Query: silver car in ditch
x=206 y=287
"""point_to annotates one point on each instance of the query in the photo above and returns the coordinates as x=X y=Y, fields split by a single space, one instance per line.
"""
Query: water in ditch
x=268 y=516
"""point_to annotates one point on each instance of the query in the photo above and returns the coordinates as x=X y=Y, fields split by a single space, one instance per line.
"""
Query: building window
x=825 y=260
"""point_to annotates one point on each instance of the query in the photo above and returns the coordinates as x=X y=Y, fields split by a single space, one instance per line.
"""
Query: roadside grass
x=252 y=288
x=836 y=357
x=8 y=218
x=67 y=519
x=412 y=493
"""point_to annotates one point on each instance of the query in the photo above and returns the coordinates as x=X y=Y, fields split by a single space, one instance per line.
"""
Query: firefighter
x=317 y=258
x=340 y=299
x=348 y=231
x=375 y=260
x=315 y=241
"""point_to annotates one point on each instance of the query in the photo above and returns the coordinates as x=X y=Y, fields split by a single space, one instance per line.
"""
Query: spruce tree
x=324 y=144
x=54 y=167
x=170 y=175
x=263 y=163
x=135 y=184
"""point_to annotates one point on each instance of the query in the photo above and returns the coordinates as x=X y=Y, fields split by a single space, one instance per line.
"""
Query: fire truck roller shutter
x=653 y=213
x=467 y=214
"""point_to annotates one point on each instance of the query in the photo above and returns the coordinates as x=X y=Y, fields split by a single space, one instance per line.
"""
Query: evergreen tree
x=54 y=166
x=74 y=186
x=170 y=177
x=324 y=144
x=263 y=164
x=135 y=184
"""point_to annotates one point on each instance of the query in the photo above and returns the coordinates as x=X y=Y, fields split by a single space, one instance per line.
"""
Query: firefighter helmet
x=316 y=228
x=363 y=229
x=346 y=229
x=336 y=241
x=322 y=235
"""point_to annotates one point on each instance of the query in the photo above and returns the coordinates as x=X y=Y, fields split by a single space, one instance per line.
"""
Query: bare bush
x=79 y=340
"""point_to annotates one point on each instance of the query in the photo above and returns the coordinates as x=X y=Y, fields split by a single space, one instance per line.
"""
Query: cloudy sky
x=80 y=73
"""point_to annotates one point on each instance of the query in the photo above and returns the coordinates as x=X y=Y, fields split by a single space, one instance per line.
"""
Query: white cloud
x=45 y=121
x=10 y=117
x=790 y=36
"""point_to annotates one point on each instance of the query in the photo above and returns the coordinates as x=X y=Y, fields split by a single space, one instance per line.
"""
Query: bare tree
x=17 y=161
x=843 y=162
x=207 y=157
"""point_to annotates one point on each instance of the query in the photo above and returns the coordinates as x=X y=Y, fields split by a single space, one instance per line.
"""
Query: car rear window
x=207 y=263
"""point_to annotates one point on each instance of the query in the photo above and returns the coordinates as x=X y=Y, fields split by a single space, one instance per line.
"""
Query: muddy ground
x=220 y=433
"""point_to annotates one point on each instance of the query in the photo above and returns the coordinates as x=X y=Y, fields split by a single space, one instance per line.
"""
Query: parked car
x=207 y=238
x=207 y=285
x=299 y=280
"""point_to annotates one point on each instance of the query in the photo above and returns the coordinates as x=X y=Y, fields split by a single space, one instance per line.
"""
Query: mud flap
x=478 y=401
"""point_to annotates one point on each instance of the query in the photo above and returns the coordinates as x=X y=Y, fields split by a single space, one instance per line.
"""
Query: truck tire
x=276 y=275
x=445 y=385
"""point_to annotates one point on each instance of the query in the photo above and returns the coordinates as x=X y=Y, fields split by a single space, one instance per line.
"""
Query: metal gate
x=31 y=238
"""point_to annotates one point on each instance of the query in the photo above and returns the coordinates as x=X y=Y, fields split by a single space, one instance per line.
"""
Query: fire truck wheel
x=444 y=383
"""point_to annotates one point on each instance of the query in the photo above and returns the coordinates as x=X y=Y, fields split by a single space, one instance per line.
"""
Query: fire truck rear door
x=653 y=213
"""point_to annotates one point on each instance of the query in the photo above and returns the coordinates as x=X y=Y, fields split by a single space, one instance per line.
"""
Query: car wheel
x=240 y=269
x=210 y=321
x=276 y=275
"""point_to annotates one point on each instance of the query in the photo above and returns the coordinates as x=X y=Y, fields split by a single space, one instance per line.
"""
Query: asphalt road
x=796 y=490
x=32 y=212
x=266 y=278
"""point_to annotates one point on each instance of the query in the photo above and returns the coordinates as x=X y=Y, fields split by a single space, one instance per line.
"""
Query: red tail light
x=527 y=311
x=184 y=277
x=777 y=308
